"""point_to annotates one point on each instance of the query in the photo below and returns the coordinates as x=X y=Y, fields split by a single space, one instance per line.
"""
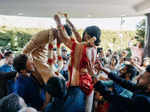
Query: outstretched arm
x=76 y=33
x=37 y=42
x=113 y=98
x=7 y=76
x=124 y=83
x=61 y=35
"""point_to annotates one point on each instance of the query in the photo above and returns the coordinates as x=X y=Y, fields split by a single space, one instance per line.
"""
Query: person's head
x=146 y=61
x=144 y=79
x=28 y=109
x=23 y=64
x=115 y=53
x=55 y=55
x=109 y=52
x=64 y=52
x=11 y=103
x=9 y=57
x=114 y=61
x=68 y=30
x=90 y=32
x=139 y=44
x=56 y=87
x=65 y=60
x=124 y=53
x=128 y=72
x=99 y=50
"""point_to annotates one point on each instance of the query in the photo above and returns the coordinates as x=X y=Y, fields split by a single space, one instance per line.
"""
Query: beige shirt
x=37 y=51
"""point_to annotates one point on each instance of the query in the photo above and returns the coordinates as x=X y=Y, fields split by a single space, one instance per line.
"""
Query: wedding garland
x=51 y=57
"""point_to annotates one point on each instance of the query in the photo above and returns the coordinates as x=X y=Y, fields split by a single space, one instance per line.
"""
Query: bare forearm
x=63 y=38
x=105 y=71
x=61 y=35
x=77 y=35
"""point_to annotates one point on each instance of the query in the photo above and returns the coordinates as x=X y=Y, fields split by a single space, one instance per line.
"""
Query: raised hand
x=59 y=39
x=98 y=65
x=68 y=21
x=57 y=19
x=66 y=15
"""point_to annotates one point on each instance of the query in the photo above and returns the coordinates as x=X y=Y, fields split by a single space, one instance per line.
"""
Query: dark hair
x=132 y=70
x=93 y=31
x=99 y=50
x=19 y=62
x=54 y=49
x=110 y=51
x=56 y=87
x=10 y=103
x=68 y=30
x=63 y=49
x=115 y=57
x=65 y=58
x=7 y=54
x=147 y=69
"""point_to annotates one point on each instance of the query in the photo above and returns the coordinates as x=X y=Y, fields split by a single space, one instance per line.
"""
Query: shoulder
x=23 y=79
x=3 y=68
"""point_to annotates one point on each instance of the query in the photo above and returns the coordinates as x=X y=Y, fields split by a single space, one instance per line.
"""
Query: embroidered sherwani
x=75 y=68
x=36 y=49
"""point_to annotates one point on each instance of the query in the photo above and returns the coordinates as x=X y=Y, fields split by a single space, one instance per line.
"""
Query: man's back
x=28 y=88
x=9 y=85
x=74 y=102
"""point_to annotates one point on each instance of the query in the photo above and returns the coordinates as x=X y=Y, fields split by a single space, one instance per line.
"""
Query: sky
x=80 y=23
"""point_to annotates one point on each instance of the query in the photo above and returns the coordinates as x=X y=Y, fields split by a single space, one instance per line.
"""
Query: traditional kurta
x=36 y=49
x=76 y=67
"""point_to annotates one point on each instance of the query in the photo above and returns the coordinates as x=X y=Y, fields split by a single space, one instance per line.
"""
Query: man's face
x=86 y=37
x=146 y=62
x=108 y=53
x=123 y=54
x=64 y=53
x=123 y=72
x=30 y=66
x=144 y=79
x=139 y=45
x=113 y=61
x=10 y=59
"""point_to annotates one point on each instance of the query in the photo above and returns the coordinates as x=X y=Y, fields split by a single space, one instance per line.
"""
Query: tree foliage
x=140 y=30
x=109 y=39
x=15 y=38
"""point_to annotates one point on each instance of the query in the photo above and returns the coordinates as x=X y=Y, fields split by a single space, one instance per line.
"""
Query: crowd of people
x=60 y=71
